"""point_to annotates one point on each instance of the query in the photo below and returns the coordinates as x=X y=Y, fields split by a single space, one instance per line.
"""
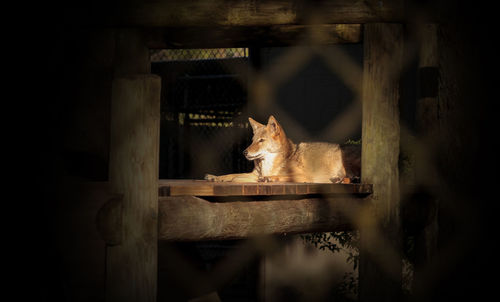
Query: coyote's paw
x=339 y=180
x=263 y=179
x=336 y=180
x=210 y=177
x=269 y=179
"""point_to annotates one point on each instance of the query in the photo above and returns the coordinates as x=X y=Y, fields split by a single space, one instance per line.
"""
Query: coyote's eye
x=261 y=140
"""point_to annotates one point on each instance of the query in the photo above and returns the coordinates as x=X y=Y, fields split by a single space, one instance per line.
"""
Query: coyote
x=277 y=158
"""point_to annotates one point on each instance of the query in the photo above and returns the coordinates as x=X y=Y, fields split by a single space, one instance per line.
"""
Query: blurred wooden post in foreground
x=132 y=264
x=380 y=260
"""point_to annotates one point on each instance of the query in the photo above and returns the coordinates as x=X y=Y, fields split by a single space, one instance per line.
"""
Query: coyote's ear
x=255 y=125
x=273 y=125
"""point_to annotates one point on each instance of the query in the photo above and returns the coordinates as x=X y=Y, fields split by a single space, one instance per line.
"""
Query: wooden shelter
x=141 y=210
x=145 y=218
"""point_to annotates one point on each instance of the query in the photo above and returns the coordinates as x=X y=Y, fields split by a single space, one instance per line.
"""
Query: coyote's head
x=267 y=139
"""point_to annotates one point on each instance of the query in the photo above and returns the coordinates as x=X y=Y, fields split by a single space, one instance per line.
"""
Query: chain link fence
x=204 y=92
x=207 y=96
x=204 y=129
x=203 y=95
x=169 y=55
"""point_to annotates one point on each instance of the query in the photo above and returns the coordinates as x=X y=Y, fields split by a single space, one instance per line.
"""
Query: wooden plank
x=278 y=189
x=264 y=190
x=227 y=190
x=250 y=189
x=206 y=188
x=133 y=172
x=202 y=190
x=291 y=189
x=189 y=218
x=172 y=13
x=380 y=262
x=301 y=189
x=248 y=36
x=181 y=13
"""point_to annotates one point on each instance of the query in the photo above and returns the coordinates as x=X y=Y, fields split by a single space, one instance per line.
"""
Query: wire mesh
x=204 y=111
x=202 y=102
x=169 y=55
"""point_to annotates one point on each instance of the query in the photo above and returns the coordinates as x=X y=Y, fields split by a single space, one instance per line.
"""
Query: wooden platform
x=172 y=187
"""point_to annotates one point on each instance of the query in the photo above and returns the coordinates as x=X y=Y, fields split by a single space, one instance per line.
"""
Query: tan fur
x=277 y=158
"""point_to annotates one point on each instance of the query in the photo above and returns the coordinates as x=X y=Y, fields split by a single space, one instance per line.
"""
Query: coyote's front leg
x=239 y=177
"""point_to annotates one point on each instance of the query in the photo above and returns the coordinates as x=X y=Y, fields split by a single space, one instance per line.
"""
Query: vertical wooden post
x=380 y=262
x=134 y=142
x=428 y=128
x=427 y=103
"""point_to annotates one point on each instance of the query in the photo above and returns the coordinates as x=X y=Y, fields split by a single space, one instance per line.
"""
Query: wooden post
x=133 y=173
x=428 y=129
x=427 y=104
x=380 y=262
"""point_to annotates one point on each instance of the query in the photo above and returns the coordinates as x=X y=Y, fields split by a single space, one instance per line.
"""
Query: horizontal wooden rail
x=236 y=211
x=193 y=13
x=184 y=217
x=169 y=187
x=189 y=218
x=245 y=36
x=172 y=13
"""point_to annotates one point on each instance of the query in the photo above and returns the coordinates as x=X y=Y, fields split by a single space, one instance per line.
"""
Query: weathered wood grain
x=178 y=13
x=133 y=172
x=380 y=262
x=205 y=188
x=253 y=13
x=189 y=218
x=247 y=36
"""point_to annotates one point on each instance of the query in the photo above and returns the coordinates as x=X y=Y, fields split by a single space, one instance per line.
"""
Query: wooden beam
x=189 y=218
x=180 y=13
x=171 y=187
x=133 y=173
x=417 y=213
x=380 y=262
x=248 y=36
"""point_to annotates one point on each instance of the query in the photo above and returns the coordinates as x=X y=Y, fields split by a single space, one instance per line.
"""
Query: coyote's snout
x=277 y=158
